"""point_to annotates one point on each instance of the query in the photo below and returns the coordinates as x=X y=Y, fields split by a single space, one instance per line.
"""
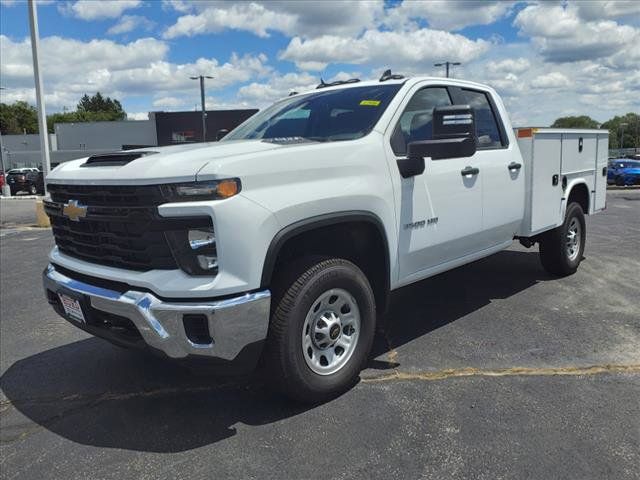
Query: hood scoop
x=114 y=159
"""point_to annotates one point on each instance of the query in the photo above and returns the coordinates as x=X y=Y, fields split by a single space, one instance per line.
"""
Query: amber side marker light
x=227 y=188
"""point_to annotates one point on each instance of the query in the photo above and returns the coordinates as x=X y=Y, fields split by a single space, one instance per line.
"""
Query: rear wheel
x=33 y=190
x=321 y=330
x=561 y=249
x=619 y=181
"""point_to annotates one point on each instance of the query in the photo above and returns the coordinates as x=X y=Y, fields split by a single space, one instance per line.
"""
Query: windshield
x=322 y=116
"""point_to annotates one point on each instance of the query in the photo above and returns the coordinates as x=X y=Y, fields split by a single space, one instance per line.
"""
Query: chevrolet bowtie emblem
x=74 y=211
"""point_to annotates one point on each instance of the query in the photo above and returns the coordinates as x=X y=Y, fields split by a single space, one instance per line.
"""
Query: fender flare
x=320 y=221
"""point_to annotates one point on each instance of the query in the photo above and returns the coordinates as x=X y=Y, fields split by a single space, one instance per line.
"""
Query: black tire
x=13 y=191
x=33 y=190
x=296 y=290
x=619 y=181
x=554 y=251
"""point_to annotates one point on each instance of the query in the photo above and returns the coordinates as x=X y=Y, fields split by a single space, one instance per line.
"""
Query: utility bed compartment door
x=546 y=188
x=578 y=153
x=601 y=173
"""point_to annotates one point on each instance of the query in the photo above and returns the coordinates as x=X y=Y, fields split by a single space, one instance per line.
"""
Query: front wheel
x=33 y=190
x=561 y=249
x=321 y=329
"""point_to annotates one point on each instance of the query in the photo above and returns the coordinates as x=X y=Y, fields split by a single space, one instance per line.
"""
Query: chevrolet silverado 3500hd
x=279 y=244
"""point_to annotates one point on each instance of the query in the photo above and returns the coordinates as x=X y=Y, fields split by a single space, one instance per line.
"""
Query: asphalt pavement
x=17 y=212
x=492 y=370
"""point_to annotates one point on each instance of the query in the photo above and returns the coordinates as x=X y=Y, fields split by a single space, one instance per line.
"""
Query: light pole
x=204 y=111
x=622 y=125
x=446 y=65
x=42 y=117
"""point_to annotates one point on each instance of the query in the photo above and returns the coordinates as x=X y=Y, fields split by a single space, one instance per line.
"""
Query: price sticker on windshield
x=370 y=103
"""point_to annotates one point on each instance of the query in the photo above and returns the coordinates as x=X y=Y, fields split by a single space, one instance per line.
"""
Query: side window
x=486 y=124
x=415 y=122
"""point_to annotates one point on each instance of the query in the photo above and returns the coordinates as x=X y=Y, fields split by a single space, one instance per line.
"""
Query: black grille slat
x=107 y=195
x=122 y=227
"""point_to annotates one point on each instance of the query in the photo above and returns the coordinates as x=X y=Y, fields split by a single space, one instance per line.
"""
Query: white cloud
x=560 y=35
x=169 y=102
x=609 y=9
x=129 y=23
x=277 y=87
x=72 y=67
x=346 y=17
x=98 y=10
x=138 y=116
x=551 y=80
x=260 y=94
x=509 y=65
x=383 y=47
x=450 y=14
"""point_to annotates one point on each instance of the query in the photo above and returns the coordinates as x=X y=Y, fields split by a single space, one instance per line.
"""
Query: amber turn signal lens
x=227 y=188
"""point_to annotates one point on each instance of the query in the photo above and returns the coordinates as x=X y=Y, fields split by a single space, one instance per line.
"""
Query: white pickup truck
x=279 y=245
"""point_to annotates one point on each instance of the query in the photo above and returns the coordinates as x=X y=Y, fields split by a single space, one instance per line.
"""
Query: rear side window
x=416 y=121
x=486 y=124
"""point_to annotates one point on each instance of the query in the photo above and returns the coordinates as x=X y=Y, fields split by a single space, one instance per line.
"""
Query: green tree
x=582 y=121
x=98 y=104
x=18 y=118
x=631 y=130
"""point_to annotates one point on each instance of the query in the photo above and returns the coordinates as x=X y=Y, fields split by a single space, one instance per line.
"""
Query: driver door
x=440 y=210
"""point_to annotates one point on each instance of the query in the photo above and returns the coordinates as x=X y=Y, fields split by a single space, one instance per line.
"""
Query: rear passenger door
x=440 y=211
x=500 y=166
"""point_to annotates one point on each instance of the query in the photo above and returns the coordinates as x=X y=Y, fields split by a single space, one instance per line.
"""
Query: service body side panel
x=556 y=162
x=601 y=173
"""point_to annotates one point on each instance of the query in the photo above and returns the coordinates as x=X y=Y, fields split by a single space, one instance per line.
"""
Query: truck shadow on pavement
x=93 y=393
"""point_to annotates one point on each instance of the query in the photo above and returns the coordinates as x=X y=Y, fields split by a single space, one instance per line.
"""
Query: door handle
x=469 y=171
x=514 y=166
x=554 y=180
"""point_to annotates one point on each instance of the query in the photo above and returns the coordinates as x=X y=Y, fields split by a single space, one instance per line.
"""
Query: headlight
x=207 y=190
x=195 y=250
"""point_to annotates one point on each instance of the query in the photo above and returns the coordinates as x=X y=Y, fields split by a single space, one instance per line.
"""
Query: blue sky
x=547 y=60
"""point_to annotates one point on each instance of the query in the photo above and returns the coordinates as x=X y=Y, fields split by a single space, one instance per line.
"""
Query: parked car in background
x=623 y=172
x=29 y=180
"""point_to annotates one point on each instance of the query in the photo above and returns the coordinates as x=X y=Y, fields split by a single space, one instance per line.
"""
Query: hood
x=178 y=163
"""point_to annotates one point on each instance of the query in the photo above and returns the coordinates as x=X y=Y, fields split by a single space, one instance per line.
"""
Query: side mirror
x=454 y=134
x=444 y=148
x=411 y=166
x=221 y=134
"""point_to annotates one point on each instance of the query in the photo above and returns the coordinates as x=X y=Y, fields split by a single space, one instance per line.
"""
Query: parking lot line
x=504 y=372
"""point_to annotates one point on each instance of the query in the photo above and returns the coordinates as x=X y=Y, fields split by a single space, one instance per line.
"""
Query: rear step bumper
x=219 y=329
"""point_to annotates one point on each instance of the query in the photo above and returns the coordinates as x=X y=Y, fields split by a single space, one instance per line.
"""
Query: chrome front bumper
x=234 y=323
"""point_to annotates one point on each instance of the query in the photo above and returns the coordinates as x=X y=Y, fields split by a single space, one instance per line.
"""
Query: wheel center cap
x=334 y=332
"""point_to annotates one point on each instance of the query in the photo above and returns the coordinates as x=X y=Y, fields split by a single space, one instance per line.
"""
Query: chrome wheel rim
x=330 y=332
x=574 y=237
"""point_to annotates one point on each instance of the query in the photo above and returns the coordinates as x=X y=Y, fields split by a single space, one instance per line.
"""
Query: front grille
x=108 y=195
x=122 y=227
